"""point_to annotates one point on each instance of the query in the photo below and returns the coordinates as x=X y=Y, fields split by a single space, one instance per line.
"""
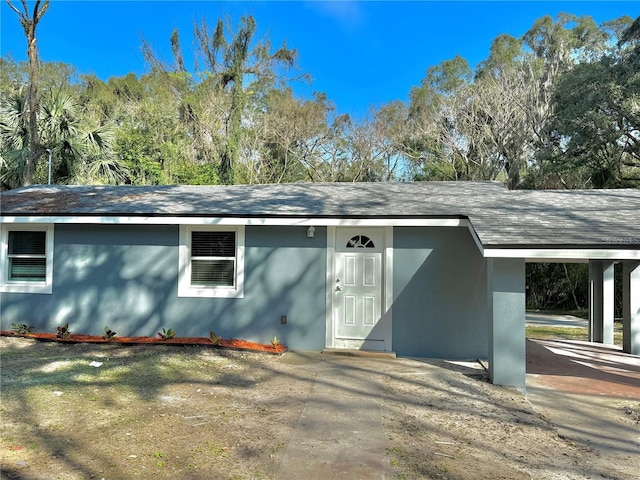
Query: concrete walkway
x=339 y=434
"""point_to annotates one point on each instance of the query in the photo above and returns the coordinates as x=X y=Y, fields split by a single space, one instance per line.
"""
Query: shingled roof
x=500 y=218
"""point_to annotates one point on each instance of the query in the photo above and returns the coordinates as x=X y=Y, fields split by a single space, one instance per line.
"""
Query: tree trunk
x=32 y=104
x=231 y=155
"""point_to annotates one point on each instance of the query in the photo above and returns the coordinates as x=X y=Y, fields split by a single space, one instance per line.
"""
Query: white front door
x=358 y=288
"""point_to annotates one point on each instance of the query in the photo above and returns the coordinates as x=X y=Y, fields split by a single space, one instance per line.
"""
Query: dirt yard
x=125 y=412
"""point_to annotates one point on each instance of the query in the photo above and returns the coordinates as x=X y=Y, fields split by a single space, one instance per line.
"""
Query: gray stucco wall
x=127 y=277
x=507 y=344
x=440 y=294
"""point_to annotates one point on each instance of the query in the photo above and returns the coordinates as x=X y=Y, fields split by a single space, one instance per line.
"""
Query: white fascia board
x=562 y=254
x=474 y=235
x=275 y=221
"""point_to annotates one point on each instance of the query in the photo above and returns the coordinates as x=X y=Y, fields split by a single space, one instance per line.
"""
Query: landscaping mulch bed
x=232 y=343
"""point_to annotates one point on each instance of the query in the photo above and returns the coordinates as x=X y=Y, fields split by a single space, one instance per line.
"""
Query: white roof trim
x=563 y=254
x=477 y=241
x=276 y=221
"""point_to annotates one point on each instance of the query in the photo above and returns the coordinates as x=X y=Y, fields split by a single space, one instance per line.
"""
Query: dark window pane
x=360 y=241
x=212 y=273
x=27 y=243
x=27 y=269
x=213 y=244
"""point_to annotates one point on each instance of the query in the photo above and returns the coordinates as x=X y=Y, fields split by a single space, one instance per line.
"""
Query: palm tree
x=14 y=140
x=80 y=148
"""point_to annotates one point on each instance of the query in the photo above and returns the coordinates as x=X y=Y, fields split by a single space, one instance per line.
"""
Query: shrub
x=21 y=328
x=167 y=334
x=215 y=339
x=108 y=333
x=63 y=331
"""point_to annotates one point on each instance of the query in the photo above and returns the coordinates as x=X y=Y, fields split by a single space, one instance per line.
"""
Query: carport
x=598 y=227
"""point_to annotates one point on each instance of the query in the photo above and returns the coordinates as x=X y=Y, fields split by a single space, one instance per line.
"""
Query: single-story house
x=429 y=269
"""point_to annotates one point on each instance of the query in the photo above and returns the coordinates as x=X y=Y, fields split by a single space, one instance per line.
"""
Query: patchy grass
x=141 y=412
x=196 y=413
x=568 y=333
x=556 y=333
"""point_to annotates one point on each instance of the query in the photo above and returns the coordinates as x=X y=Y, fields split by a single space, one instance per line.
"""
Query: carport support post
x=506 y=299
x=601 y=301
x=631 y=307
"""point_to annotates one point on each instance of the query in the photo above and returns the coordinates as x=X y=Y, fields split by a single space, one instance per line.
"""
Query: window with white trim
x=211 y=261
x=26 y=258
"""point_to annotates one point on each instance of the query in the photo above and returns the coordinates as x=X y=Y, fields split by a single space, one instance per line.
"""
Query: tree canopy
x=555 y=108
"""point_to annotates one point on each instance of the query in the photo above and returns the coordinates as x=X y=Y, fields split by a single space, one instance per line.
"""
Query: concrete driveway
x=546 y=320
x=591 y=392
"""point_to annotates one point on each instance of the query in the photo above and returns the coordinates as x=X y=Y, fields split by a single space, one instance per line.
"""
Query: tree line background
x=558 y=107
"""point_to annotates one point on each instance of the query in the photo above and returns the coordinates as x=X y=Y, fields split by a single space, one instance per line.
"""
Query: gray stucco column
x=631 y=307
x=507 y=303
x=601 y=301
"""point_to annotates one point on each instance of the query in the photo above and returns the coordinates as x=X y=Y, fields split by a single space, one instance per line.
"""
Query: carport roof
x=501 y=218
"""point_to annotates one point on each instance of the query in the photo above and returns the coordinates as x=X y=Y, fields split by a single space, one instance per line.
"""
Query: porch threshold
x=354 y=352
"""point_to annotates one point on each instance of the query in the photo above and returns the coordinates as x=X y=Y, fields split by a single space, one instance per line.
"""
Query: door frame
x=387 y=287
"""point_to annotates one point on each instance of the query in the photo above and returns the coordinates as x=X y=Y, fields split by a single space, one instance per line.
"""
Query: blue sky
x=358 y=53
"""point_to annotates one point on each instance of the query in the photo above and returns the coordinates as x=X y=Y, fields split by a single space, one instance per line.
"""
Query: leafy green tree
x=13 y=75
x=231 y=67
x=436 y=145
x=557 y=286
x=489 y=124
x=595 y=130
x=158 y=125
x=556 y=47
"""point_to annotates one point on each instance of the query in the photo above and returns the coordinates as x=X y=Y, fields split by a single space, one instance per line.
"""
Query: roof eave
x=270 y=219
x=564 y=253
